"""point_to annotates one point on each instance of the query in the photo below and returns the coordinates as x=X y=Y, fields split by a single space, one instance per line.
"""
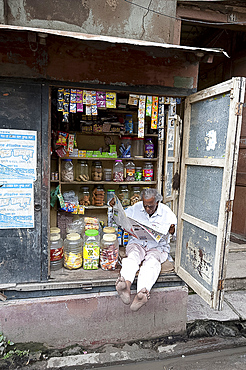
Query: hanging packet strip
x=141 y=115
x=133 y=99
x=101 y=99
x=154 y=114
x=60 y=99
x=149 y=106
x=110 y=100
x=62 y=138
x=73 y=96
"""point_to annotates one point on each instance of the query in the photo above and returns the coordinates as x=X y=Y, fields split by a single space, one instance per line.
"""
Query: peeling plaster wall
x=104 y=17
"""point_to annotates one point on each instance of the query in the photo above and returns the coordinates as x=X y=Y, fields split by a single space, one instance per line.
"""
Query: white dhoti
x=149 y=271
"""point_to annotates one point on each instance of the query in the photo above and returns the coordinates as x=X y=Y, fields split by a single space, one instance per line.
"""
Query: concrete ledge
x=93 y=319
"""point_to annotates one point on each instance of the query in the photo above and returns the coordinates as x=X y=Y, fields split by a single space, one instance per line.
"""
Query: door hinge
x=239 y=109
x=229 y=205
x=221 y=284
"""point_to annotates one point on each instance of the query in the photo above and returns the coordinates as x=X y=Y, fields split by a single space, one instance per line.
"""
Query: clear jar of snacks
x=149 y=148
x=84 y=196
x=130 y=171
x=118 y=171
x=67 y=171
x=91 y=250
x=124 y=195
x=148 y=171
x=109 y=252
x=82 y=171
x=73 y=251
x=97 y=171
x=138 y=147
x=125 y=147
x=110 y=194
x=138 y=174
x=98 y=195
x=56 y=251
x=135 y=195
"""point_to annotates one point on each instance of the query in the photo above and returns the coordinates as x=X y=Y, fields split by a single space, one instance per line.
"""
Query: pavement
x=207 y=330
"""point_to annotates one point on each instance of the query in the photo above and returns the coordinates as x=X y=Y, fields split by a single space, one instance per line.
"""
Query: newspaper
x=133 y=227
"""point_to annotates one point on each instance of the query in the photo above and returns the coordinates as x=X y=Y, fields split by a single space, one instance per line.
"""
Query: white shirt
x=160 y=221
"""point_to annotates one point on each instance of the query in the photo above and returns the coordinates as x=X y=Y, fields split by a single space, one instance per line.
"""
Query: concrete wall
x=93 y=319
x=104 y=17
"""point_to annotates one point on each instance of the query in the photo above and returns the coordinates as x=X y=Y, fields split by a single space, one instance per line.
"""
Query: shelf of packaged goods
x=112 y=159
x=109 y=183
x=112 y=133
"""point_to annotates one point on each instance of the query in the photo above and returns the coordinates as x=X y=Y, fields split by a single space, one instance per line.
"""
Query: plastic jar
x=109 y=252
x=124 y=195
x=67 y=172
x=130 y=171
x=73 y=251
x=138 y=174
x=149 y=150
x=107 y=174
x=56 y=251
x=109 y=230
x=110 y=194
x=137 y=147
x=125 y=147
x=55 y=230
x=135 y=195
x=84 y=196
x=97 y=171
x=91 y=250
x=82 y=171
x=118 y=171
x=148 y=172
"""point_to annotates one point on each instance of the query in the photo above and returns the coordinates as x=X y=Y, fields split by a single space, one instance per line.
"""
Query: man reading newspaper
x=149 y=252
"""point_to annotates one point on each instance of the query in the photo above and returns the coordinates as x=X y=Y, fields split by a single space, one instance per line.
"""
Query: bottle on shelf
x=124 y=195
x=130 y=171
x=148 y=171
x=135 y=194
x=56 y=250
x=109 y=252
x=97 y=171
x=84 y=196
x=82 y=171
x=91 y=250
x=73 y=251
x=149 y=150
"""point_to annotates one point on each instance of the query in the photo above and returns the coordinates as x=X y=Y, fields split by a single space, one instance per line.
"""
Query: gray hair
x=150 y=193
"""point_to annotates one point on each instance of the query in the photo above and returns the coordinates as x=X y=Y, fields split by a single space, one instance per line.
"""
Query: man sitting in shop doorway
x=150 y=255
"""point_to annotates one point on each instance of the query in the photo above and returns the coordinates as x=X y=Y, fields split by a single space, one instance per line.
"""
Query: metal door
x=212 y=125
x=23 y=251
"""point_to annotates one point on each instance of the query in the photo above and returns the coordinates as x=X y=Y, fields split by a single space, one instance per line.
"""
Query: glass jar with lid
x=125 y=147
x=82 y=171
x=118 y=175
x=138 y=147
x=109 y=230
x=135 y=195
x=84 y=196
x=55 y=230
x=67 y=170
x=97 y=171
x=109 y=252
x=124 y=195
x=91 y=250
x=130 y=171
x=56 y=251
x=148 y=171
x=107 y=174
x=110 y=194
x=73 y=251
x=98 y=195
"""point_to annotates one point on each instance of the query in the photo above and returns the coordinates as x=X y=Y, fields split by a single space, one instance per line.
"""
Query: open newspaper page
x=132 y=226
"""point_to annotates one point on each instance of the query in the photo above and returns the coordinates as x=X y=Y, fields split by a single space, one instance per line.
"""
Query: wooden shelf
x=113 y=159
x=84 y=183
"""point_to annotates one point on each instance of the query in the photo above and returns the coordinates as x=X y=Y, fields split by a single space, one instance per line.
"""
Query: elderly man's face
x=150 y=205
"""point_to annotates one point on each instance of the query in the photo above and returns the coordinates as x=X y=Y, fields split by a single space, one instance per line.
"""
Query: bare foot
x=123 y=289
x=140 y=299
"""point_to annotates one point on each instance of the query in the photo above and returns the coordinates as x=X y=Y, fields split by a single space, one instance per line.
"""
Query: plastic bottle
x=67 y=172
x=149 y=148
x=124 y=196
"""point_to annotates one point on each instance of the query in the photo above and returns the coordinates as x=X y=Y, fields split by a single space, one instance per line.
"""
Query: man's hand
x=112 y=202
x=172 y=229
